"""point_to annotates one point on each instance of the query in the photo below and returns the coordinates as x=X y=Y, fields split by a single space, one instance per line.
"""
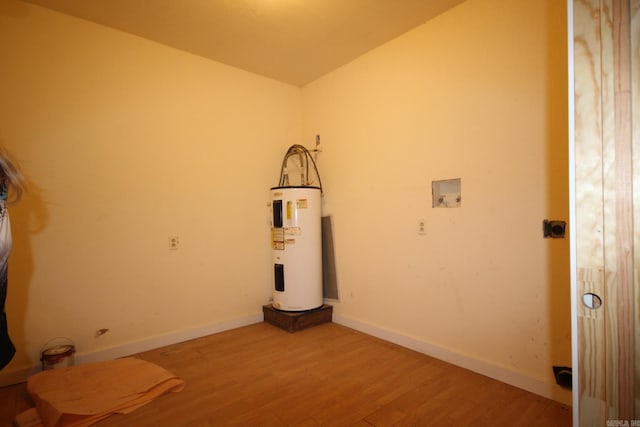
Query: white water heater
x=296 y=245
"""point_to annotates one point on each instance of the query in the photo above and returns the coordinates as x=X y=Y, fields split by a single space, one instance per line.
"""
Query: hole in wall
x=591 y=301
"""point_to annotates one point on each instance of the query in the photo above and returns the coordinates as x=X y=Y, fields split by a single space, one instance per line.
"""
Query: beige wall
x=127 y=142
x=480 y=94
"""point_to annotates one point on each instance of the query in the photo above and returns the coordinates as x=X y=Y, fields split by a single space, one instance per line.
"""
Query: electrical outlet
x=174 y=243
x=422 y=227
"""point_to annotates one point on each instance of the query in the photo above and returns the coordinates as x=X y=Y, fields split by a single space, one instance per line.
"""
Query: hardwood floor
x=328 y=375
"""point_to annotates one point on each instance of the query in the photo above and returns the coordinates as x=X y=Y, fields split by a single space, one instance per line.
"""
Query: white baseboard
x=21 y=374
x=516 y=379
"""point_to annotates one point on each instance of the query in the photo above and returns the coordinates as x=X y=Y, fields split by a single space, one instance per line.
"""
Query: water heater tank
x=296 y=247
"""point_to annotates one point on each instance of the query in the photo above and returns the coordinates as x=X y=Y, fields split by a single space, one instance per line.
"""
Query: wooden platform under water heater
x=292 y=321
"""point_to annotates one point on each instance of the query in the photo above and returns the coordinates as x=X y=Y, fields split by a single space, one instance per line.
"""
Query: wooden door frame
x=601 y=178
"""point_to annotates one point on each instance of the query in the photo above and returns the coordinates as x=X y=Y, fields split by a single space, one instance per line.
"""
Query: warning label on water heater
x=301 y=203
x=277 y=238
x=293 y=231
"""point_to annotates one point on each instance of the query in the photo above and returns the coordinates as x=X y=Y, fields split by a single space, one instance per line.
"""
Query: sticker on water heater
x=290 y=241
x=301 y=203
x=293 y=231
x=277 y=238
x=289 y=210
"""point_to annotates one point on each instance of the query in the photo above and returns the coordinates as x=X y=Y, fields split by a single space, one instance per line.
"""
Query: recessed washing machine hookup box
x=446 y=193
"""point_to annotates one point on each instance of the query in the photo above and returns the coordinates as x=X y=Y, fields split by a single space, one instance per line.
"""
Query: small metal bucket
x=59 y=356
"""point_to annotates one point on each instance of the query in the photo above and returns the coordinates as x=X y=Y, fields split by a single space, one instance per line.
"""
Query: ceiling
x=293 y=41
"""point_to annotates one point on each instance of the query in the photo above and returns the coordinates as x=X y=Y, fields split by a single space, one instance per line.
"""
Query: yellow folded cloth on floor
x=85 y=394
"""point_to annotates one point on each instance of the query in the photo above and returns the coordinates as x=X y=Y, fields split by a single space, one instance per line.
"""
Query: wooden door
x=605 y=205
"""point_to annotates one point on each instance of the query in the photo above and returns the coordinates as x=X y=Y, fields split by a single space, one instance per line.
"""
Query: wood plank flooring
x=328 y=375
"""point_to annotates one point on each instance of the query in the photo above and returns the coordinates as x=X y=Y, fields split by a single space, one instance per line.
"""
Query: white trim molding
x=500 y=373
x=128 y=349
